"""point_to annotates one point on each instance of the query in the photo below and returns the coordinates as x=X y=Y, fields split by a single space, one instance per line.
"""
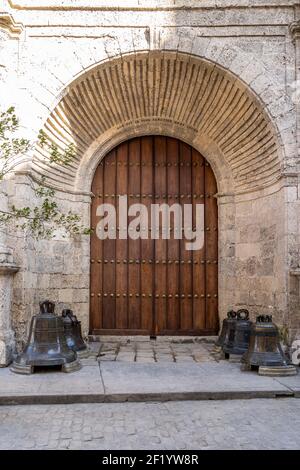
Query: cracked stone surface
x=234 y=424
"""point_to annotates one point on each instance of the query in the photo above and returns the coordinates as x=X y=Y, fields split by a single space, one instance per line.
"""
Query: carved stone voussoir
x=7 y=264
x=295 y=29
x=8 y=24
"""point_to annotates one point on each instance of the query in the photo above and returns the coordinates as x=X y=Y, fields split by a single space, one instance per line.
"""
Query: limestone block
x=291 y=194
x=286 y=121
x=65 y=295
x=249 y=233
x=247 y=250
x=80 y=295
x=293 y=218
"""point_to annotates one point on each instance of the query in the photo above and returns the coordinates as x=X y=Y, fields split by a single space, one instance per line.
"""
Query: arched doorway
x=218 y=114
x=146 y=279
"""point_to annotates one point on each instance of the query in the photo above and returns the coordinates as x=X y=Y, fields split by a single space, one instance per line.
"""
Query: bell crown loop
x=243 y=314
x=264 y=319
x=47 y=307
x=67 y=313
x=231 y=314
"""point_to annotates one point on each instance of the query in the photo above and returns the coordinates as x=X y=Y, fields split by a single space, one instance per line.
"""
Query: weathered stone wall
x=252 y=241
x=44 y=63
x=57 y=269
x=57 y=46
x=252 y=261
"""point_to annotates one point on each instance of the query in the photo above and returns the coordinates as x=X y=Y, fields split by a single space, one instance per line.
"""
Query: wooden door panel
x=96 y=255
x=147 y=245
x=160 y=267
x=185 y=190
x=211 y=250
x=173 y=304
x=134 y=280
x=198 y=183
x=154 y=285
x=121 y=243
x=109 y=247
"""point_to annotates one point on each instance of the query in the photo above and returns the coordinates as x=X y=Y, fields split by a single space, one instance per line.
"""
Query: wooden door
x=152 y=284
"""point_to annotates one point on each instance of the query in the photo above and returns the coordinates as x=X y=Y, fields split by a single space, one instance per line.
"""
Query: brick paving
x=234 y=424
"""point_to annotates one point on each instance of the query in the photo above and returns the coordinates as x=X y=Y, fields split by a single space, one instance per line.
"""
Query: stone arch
x=106 y=142
x=168 y=93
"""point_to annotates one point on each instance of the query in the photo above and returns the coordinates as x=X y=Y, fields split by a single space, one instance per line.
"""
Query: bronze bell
x=231 y=315
x=46 y=345
x=265 y=350
x=239 y=335
x=230 y=331
x=73 y=333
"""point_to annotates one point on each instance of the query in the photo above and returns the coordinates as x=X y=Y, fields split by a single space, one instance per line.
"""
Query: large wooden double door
x=154 y=286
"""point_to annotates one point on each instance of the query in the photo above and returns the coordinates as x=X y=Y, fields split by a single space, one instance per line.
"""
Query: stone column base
x=83 y=354
x=277 y=371
x=7 y=270
x=27 y=369
x=7 y=346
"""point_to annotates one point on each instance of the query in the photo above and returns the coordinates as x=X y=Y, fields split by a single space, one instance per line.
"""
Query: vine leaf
x=45 y=218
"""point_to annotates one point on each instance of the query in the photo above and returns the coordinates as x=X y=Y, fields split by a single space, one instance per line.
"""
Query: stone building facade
x=222 y=76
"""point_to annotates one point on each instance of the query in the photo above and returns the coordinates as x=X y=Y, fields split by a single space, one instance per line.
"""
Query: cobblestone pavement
x=236 y=424
x=163 y=349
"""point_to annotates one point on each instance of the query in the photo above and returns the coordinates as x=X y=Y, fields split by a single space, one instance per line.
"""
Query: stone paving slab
x=120 y=381
x=177 y=381
x=161 y=349
x=82 y=386
x=293 y=383
x=145 y=370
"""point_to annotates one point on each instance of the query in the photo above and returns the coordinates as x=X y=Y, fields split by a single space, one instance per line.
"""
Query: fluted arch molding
x=168 y=93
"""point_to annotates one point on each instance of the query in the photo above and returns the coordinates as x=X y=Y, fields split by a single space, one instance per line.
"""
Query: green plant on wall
x=44 y=218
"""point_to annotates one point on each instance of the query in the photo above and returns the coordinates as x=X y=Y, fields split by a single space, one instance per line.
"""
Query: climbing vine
x=43 y=219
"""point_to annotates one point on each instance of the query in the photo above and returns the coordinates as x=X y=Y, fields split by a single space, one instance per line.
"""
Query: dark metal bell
x=239 y=335
x=225 y=326
x=230 y=331
x=46 y=345
x=73 y=333
x=264 y=348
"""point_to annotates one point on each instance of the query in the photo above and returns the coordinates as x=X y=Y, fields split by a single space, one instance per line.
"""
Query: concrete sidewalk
x=110 y=381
